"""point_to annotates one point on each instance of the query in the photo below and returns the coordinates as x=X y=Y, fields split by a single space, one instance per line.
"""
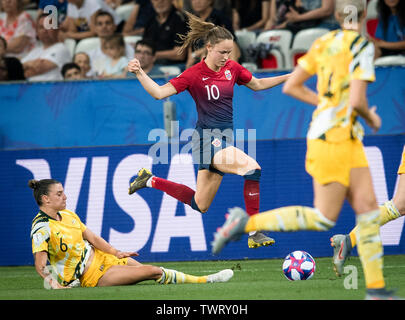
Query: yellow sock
x=291 y=218
x=174 y=276
x=370 y=248
x=388 y=212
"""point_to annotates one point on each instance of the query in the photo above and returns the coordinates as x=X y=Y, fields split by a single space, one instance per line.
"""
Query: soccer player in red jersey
x=210 y=83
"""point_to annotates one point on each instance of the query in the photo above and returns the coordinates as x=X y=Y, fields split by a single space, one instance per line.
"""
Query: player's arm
x=296 y=88
x=104 y=246
x=257 y=84
x=358 y=100
x=155 y=90
x=41 y=259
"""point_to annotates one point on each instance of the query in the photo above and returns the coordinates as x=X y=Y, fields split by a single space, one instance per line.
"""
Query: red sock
x=176 y=190
x=251 y=193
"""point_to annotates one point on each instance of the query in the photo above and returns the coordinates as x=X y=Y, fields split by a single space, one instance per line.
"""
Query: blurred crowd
x=34 y=34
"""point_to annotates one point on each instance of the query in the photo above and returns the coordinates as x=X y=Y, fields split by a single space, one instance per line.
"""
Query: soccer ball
x=299 y=265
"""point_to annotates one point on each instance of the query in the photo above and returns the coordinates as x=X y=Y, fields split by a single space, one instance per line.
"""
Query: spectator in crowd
x=145 y=52
x=135 y=24
x=17 y=27
x=301 y=14
x=80 y=21
x=44 y=62
x=105 y=28
x=60 y=5
x=71 y=71
x=116 y=64
x=82 y=59
x=204 y=10
x=250 y=15
x=11 y=69
x=390 y=33
x=224 y=6
x=163 y=29
x=3 y=47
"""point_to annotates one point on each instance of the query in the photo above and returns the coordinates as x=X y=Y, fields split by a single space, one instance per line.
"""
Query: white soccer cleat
x=221 y=276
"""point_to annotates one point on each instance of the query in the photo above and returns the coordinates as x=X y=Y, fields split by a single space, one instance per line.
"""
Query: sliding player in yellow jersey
x=390 y=210
x=336 y=160
x=78 y=256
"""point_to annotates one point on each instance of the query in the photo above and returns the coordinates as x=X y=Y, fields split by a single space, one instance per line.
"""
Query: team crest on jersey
x=216 y=143
x=228 y=74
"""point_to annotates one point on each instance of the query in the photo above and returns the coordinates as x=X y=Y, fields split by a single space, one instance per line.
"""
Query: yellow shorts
x=330 y=162
x=401 y=168
x=99 y=265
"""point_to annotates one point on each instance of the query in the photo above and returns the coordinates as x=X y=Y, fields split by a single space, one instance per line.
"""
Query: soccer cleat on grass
x=342 y=247
x=140 y=181
x=381 y=294
x=221 y=276
x=232 y=230
x=259 y=240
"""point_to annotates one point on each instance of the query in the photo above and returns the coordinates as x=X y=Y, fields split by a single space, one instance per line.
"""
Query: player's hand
x=121 y=254
x=134 y=66
x=374 y=119
x=54 y=284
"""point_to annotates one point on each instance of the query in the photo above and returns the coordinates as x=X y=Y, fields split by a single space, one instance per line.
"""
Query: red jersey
x=212 y=91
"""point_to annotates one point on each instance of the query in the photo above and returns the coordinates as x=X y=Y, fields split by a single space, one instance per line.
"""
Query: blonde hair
x=201 y=30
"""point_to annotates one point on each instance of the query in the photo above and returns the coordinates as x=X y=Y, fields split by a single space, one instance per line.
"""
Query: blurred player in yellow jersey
x=336 y=160
x=390 y=210
x=77 y=256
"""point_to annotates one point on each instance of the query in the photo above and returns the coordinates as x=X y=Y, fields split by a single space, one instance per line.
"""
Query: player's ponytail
x=40 y=188
x=201 y=30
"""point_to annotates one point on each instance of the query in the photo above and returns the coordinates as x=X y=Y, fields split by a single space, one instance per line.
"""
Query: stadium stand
x=371 y=18
x=303 y=41
x=88 y=44
x=123 y=11
x=280 y=52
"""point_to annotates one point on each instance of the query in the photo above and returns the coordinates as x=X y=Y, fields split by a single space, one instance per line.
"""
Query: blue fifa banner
x=159 y=227
x=121 y=112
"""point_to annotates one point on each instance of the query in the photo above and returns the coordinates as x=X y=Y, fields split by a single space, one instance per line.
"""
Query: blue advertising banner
x=120 y=112
x=160 y=228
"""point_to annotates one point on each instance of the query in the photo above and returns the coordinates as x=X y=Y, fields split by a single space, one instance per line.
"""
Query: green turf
x=253 y=279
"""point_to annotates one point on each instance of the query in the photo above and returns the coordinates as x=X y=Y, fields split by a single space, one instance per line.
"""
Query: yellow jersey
x=337 y=58
x=63 y=240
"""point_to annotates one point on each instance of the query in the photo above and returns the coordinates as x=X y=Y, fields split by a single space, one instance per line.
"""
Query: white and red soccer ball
x=299 y=265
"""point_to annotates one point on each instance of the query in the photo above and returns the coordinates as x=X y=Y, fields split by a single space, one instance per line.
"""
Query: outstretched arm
x=266 y=83
x=104 y=246
x=295 y=87
x=155 y=90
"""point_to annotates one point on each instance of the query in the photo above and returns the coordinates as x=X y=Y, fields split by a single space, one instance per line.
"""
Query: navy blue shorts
x=206 y=143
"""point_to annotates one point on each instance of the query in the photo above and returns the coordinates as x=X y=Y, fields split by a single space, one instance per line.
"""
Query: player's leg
x=363 y=201
x=399 y=197
x=390 y=210
x=208 y=183
x=124 y=275
x=235 y=161
x=328 y=198
x=145 y=178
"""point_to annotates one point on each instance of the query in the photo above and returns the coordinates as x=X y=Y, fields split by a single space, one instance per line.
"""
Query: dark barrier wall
x=96 y=182
x=120 y=112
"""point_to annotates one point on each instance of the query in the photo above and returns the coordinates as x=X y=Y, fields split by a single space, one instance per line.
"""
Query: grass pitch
x=253 y=280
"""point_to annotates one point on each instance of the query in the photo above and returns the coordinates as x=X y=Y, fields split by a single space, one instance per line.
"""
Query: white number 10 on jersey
x=212 y=91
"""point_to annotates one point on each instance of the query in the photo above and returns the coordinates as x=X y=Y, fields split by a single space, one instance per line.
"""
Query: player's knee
x=199 y=207
x=364 y=203
x=253 y=174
